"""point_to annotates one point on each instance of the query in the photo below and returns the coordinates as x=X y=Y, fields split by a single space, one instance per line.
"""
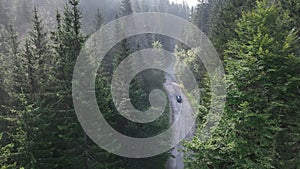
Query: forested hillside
x=258 y=43
x=19 y=12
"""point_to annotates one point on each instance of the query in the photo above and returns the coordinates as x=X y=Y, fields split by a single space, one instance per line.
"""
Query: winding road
x=176 y=161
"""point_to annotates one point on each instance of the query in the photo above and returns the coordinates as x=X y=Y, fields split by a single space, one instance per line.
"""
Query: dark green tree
x=126 y=8
x=258 y=129
x=99 y=20
x=32 y=95
x=68 y=39
x=217 y=19
x=8 y=55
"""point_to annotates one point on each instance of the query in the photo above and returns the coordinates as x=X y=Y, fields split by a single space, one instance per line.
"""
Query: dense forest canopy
x=258 y=43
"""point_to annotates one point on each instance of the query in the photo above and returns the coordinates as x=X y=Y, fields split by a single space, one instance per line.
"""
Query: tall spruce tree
x=217 y=19
x=126 y=8
x=8 y=55
x=99 y=20
x=68 y=40
x=33 y=95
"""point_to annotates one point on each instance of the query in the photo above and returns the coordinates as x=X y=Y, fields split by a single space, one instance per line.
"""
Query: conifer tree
x=261 y=114
x=10 y=59
x=126 y=8
x=217 y=19
x=99 y=20
x=33 y=95
x=68 y=40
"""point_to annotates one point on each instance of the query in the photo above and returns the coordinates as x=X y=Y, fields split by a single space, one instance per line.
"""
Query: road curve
x=176 y=161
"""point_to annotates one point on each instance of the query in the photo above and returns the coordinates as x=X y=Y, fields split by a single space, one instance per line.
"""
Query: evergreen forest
x=258 y=43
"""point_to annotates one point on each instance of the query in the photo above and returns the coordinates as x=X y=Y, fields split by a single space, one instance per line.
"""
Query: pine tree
x=9 y=48
x=99 y=20
x=217 y=19
x=6 y=144
x=261 y=112
x=68 y=41
x=73 y=147
x=201 y=16
x=9 y=119
x=32 y=95
x=126 y=8
x=271 y=59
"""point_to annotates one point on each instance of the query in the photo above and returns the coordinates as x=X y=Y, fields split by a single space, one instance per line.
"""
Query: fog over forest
x=19 y=12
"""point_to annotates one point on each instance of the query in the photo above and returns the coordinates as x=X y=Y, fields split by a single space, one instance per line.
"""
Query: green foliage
x=9 y=56
x=293 y=8
x=139 y=90
x=99 y=20
x=217 y=19
x=260 y=126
